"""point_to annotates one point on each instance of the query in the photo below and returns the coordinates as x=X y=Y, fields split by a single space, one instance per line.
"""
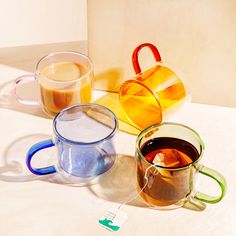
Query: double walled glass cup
x=84 y=139
x=152 y=95
x=168 y=184
x=64 y=79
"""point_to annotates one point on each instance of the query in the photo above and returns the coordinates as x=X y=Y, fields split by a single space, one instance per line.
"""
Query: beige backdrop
x=32 y=22
x=197 y=39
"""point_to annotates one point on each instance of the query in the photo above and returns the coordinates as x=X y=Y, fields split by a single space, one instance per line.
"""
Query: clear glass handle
x=218 y=178
x=23 y=79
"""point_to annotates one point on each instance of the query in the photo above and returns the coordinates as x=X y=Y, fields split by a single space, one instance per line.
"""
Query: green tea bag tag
x=113 y=219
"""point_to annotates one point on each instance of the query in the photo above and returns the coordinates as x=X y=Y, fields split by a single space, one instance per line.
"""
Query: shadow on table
x=9 y=101
x=13 y=162
x=120 y=184
x=117 y=185
x=194 y=205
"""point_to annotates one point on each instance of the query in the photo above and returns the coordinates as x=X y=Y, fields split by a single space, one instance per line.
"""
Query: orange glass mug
x=153 y=94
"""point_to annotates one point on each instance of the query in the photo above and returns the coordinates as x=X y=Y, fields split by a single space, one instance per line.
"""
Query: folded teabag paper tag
x=159 y=159
x=170 y=158
x=113 y=219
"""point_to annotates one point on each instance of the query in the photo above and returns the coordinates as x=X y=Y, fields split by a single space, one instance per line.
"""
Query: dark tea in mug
x=165 y=186
x=168 y=159
x=169 y=152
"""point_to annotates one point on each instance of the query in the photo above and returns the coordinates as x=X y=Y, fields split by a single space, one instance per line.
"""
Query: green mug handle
x=218 y=178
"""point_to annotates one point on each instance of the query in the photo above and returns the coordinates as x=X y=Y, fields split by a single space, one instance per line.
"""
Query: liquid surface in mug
x=166 y=186
x=62 y=86
x=64 y=71
x=169 y=152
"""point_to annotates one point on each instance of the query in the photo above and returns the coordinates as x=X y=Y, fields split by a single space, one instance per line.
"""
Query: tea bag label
x=113 y=219
x=159 y=159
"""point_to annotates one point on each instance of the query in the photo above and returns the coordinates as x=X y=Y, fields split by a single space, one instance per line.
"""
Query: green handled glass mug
x=168 y=159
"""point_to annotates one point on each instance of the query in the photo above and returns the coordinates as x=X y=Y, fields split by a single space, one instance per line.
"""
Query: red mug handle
x=135 y=61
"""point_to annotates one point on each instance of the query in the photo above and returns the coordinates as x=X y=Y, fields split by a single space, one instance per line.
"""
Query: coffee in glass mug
x=64 y=79
x=64 y=93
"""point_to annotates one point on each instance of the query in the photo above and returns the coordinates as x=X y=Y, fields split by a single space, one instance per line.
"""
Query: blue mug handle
x=35 y=148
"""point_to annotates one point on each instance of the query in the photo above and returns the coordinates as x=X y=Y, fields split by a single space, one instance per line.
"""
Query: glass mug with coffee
x=168 y=159
x=84 y=139
x=64 y=79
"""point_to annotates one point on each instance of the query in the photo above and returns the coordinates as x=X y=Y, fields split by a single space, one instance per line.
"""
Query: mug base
x=169 y=207
x=72 y=180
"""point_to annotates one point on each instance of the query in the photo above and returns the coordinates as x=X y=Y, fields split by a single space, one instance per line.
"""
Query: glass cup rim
x=145 y=87
x=202 y=146
x=38 y=72
x=109 y=136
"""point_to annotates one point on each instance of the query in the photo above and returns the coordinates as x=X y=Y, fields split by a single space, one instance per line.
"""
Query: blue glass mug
x=84 y=139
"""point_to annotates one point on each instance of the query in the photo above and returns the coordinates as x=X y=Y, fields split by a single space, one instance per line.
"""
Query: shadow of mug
x=13 y=167
x=111 y=101
x=119 y=186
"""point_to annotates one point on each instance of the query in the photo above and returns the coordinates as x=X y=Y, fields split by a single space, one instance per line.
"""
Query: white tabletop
x=32 y=205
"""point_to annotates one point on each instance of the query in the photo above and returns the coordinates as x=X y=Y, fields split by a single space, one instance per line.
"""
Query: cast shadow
x=29 y=90
x=111 y=101
x=9 y=101
x=119 y=186
x=116 y=185
x=194 y=205
x=13 y=166
x=109 y=80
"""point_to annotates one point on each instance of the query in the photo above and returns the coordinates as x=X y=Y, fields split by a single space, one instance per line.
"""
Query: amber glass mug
x=168 y=159
x=153 y=94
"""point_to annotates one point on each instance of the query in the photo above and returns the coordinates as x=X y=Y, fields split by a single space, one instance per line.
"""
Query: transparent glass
x=171 y=187
x=64 y=79
x=152 y=95
x=84 y=138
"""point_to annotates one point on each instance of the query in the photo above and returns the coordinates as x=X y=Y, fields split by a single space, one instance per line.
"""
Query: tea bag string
x=131 y=199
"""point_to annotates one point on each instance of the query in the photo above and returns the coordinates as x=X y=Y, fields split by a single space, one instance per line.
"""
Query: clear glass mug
x=64 y=79
x=84 y=139
x=152 y=95
x=170 y=182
